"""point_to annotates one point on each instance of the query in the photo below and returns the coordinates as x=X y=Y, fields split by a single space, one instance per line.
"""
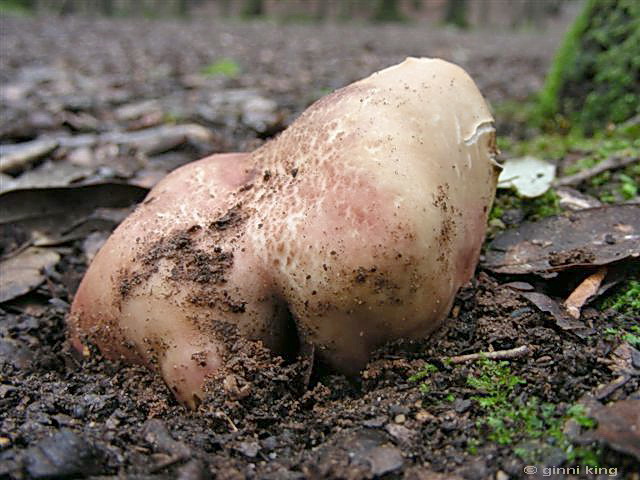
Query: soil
x=63 y=416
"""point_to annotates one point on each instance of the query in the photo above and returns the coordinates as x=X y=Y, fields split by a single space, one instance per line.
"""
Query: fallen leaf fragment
x=151 y=141
x=583 y=292
x=48 y=175
x=547 y=304
x=624 y=362
x=368 y=452
x=133 y=111
x=590 y=237
x=49 y=216
x=160 y=139
x=529 y=176
x=92 y=243
x=23 y=272
x=572 y=199
x=619 y=426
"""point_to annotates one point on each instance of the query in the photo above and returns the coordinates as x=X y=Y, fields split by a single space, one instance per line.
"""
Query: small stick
x=583 y=292
x=612 y=163
x=17 y=157
x=221 y=414
x=517 y=352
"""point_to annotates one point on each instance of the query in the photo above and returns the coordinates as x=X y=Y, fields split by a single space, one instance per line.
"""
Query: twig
x=583 y=292
x=220 y=414
x=517 y=352
x=606 y=390
x=14 y=158
x=612 y=163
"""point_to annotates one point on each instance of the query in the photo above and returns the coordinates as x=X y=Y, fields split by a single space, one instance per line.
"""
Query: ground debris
x=63 y=455
x=516 y=352
x=590 y=237
x=612 y=163
x=618 y=425
x=14 y=158
x=583 y=292
x=529 y=176
x=356 y=454
x=25 y=271
x=565 y=321
x=572 y=199
x=49 y=216
x=156 y=433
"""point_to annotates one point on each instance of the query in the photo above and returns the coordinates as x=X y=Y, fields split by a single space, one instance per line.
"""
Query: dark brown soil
x=65 y=417
x=266 y=423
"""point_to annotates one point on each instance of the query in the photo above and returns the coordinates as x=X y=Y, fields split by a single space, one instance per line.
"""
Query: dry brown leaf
x=619 y=426
x=23 y=272
x=591 y=237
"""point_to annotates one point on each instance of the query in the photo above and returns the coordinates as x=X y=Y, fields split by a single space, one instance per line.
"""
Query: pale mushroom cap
x=357 y=225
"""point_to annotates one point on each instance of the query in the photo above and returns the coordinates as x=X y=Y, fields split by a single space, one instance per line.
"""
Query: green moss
x=629 y=187
x=508 y=421
x=630 y=335
x=626 y=301
x=225 y=67
x=615 y=187
x=545 y=205
x=609 y=186
x=423 y=376
x=564 y=59
x=594 y=79
x=15 y=7
x=388 y=11
x=425 y=372
x=532 y=208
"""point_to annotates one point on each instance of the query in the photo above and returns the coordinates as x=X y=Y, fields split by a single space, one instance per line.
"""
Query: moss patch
x=530 y=424
x=225 y=67
x=572 y=153
x=626 y=301
x=595 y=77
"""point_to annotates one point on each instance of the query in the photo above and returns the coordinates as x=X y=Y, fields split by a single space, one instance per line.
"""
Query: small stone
x=461 y=405
x=13 y=353
x=260 y=113
x=513 y=216
x=375 y=422
x=500 y=475
x=474 y=470
x=400 y=418
x=384 y=459
x=194 y=469
x=424 y=416
x=63 y=454
x=400 y=432
x=395 y=410
x=249 y=449
x=270 y=443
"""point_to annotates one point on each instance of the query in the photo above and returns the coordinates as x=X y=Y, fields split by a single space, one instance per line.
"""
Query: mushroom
x=354 y=227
